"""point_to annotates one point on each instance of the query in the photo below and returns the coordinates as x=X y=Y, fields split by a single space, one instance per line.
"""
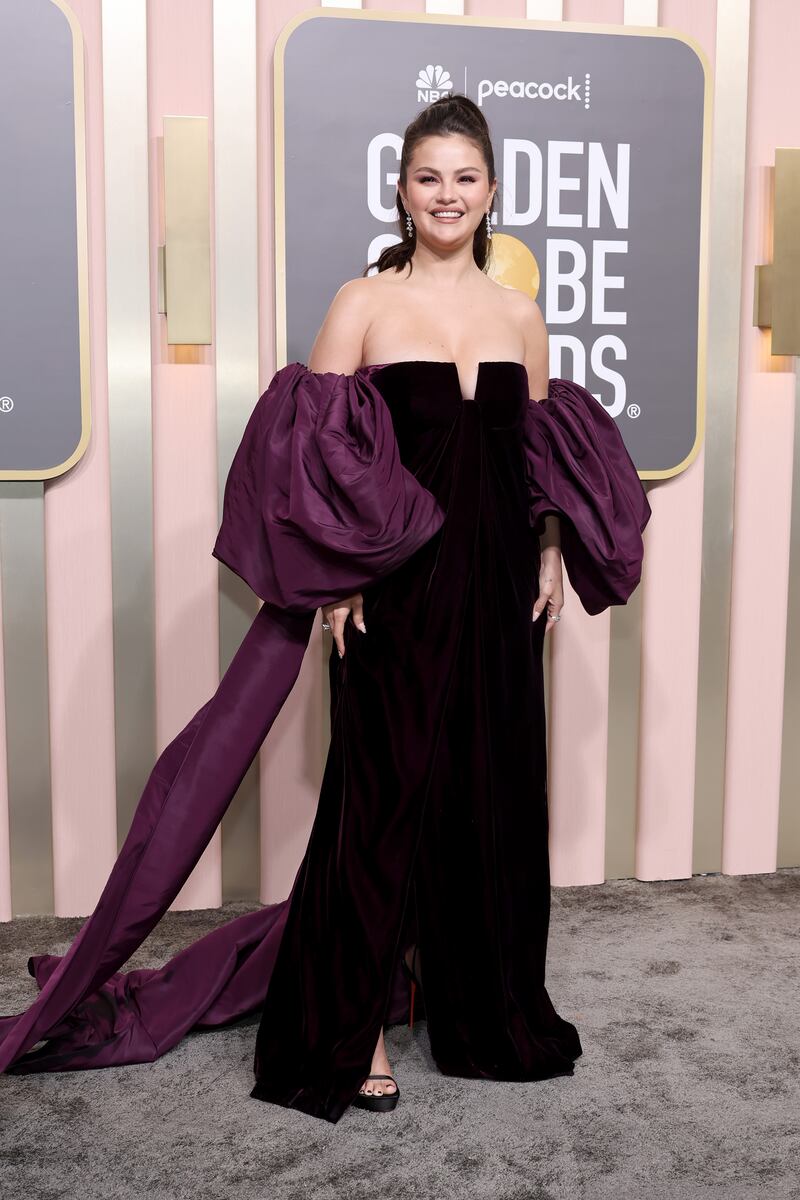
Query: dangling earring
x=409 y=225
x=488 y=226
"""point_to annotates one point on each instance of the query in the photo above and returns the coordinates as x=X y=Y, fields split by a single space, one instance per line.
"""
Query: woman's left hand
x=551 y=586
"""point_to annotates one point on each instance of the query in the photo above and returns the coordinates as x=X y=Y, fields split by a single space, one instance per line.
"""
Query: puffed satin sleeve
x=317 y=503
x=578 y=467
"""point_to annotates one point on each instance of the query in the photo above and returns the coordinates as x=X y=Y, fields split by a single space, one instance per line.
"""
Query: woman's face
x=447 y=173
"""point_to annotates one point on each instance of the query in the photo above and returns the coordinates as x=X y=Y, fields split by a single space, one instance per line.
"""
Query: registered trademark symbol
x=633 y=410
x=6 y=404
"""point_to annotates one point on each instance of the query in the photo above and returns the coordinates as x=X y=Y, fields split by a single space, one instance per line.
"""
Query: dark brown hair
x=452 y=114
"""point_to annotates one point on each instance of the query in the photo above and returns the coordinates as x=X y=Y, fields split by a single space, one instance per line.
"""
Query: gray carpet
x=686 y=998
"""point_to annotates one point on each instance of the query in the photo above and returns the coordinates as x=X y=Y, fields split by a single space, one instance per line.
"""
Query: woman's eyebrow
x=435 y=172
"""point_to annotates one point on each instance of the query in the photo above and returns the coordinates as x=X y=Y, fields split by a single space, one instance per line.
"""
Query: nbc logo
x=433 y=82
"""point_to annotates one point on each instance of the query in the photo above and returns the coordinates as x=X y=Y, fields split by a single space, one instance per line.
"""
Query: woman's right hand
x=336 y=614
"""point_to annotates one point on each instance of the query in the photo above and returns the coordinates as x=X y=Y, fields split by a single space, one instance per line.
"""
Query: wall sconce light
x=776 y=299
x=184 y=261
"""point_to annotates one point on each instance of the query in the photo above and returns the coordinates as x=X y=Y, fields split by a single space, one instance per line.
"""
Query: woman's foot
x=380 y=1066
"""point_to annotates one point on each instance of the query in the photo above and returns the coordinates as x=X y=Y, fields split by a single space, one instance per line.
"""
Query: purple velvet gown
x=432 y=820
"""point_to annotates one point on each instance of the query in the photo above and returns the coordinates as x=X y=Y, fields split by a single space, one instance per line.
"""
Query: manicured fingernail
x=341 y=655
x=535 y=615
x=362 y=627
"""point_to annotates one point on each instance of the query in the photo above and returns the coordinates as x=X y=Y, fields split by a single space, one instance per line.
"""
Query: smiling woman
x=414 y=495
x=453 y=187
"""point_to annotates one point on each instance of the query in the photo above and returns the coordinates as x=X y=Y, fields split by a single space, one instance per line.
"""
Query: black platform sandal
x=385 y=1102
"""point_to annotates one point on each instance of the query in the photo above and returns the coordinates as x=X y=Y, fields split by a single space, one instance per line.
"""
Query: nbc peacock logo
x=433 y=82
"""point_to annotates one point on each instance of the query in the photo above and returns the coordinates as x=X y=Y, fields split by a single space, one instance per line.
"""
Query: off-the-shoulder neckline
x=447 y=362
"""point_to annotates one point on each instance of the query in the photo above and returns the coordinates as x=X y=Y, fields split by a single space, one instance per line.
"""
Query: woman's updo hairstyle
x=454 y=113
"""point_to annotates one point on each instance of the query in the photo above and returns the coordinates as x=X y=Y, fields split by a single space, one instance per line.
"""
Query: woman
x=409 y=484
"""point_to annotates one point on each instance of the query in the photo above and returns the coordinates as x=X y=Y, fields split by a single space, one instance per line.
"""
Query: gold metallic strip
x=236 y=239
x=785 y=297
x=24 y=632
x=625 y=658
x=125 y=133
x=789 y=812
x=187 y=250
x=725 y=273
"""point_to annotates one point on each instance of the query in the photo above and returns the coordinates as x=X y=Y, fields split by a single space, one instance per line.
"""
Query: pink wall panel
x=185 y=509
x=764 y=446
x=5 y=846
x=78 y=565
x=671 y=590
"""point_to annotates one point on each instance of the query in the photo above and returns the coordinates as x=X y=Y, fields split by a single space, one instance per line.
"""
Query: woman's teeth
x=447 y=215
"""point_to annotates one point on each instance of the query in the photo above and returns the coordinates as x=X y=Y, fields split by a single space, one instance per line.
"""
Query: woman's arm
x=537 y=350
x=537 y=364
x=339 y=345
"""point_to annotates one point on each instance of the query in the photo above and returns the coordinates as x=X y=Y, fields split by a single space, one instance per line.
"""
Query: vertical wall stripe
x=26 y=691
x=789 y=815
x=80 y=647
x=451 y=8
x=6 y=908
x=185 y=508
x=624 y=714
x=578 y=716
x=761 y=535
x=763 y=486
x=129 y=397
x=671 y=594
x=578 y=743
x=727 y=205
x=544 y=10
x=236 y=321
x=640 y=12
x=625 y=670
x=775 y=38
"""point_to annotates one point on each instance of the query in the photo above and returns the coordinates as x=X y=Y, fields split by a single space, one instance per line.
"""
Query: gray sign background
x=42 y=422
x=349 y=79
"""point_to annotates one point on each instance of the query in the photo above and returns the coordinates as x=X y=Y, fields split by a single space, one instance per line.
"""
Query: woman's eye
x=425 y=178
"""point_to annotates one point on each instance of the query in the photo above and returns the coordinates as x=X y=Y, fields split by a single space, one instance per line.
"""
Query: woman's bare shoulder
x=354 y=302
x=339 y=344
x=526 y=313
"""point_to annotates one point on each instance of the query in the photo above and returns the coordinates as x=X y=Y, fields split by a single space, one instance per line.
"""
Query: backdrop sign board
x=600 y=137
x=44 y=310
